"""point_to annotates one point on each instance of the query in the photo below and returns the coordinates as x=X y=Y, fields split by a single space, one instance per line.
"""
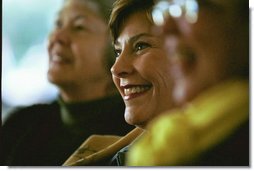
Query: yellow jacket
x=181 y=135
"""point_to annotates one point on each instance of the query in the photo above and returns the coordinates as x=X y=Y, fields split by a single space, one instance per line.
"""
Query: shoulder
x=233 y=151
x=25 y=120
x=28 y=114
x=23 y=128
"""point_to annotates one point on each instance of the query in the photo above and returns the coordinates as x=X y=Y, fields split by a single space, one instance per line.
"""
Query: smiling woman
x=141 y=73
x=142 y=70
x=80 y=57
x=73 y=54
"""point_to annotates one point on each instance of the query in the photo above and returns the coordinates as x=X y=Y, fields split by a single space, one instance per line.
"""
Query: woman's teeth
x=136 y=89
x=56 y=58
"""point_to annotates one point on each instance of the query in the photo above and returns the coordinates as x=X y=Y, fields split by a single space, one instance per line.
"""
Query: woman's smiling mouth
x=58 y=59
x=135 y=91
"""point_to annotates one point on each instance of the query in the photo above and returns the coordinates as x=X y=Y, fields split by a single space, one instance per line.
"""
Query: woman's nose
x=60 y=36
x=122 y=67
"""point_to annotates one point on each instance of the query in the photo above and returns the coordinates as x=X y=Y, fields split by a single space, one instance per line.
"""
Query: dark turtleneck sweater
x=47 y=134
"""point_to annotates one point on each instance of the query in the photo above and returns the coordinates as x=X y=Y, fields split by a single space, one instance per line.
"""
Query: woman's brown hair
x=122 y=9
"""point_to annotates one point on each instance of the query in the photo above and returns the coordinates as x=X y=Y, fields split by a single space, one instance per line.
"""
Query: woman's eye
x=79 y=27
x=117 y=52
x=58 y=24
x=141 y=45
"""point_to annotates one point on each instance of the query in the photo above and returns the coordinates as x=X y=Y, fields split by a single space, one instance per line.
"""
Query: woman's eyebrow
x=134 y=38
x=79 y=17
x=138 y=36
x=73 y=17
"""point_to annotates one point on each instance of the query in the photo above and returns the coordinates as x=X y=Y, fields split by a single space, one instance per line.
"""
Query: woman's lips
x=135 y=91
x=59 y=59
x=56 y=58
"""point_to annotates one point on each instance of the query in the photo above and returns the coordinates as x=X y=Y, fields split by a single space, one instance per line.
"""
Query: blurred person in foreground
x=142 y=75
x=80 y=57
x=208 y=44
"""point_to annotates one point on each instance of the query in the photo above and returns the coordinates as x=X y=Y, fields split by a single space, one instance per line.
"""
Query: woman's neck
x=87 y=92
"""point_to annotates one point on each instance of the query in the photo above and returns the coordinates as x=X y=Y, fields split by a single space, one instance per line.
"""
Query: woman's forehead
x=74 y=8
x=89 y=5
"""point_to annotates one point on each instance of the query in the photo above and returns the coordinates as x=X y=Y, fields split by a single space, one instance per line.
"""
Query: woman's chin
x=134 y=120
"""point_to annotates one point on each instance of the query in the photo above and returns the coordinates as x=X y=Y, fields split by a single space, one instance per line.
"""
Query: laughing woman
x=142 y=75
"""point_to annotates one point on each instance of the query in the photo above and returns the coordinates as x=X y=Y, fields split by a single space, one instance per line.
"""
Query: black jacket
x=39 y=136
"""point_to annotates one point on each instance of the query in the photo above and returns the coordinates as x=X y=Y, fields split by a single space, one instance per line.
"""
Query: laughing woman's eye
x=141 y=45
x=58 y=24
x=117 y=52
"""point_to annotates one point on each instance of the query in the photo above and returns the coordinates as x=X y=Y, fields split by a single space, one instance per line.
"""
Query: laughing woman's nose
x=122 y=67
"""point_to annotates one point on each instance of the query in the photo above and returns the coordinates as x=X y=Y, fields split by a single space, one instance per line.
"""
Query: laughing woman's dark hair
x=123 y=9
